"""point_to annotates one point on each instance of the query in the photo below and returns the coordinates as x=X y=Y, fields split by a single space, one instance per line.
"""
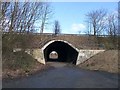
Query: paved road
x=63 y=76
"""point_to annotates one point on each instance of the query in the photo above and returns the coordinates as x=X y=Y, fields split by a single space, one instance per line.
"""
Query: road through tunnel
x=63 y=52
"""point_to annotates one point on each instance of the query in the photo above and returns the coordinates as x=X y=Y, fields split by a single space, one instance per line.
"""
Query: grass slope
x=105 y=61
x=19 y=64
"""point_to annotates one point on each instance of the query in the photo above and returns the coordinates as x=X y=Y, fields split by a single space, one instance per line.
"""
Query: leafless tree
x=29 y=16
x=95 y=19
x=112 y=28
x=118 y=17
x=46 y=15
x=112 y=25
x=57 y=29
x=89 y=31
x=20 y=16
x=4 y=12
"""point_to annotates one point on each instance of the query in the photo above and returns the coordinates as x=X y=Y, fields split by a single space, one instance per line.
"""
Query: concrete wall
x=38 y=54
x=82 y=56
x=35 y=53
x=86 y=54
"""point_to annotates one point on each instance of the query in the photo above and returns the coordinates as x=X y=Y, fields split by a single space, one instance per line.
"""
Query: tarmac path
x=65 y=76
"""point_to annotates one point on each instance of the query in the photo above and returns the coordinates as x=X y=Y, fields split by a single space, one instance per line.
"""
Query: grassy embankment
x=17 y=64
x=105 y=61
x=20 y=64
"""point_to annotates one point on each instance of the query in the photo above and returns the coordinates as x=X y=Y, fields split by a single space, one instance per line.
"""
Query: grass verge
x=20 y=64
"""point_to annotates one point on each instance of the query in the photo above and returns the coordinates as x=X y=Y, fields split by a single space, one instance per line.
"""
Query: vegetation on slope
x=20 y=64
x=18 y=60
x=104 y=61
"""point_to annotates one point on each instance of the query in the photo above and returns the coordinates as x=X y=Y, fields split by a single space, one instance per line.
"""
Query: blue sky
x=71 y=15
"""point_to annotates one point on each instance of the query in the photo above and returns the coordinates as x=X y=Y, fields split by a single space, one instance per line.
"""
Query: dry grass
x=19 y=73
x=105 y=61
x=20 y=64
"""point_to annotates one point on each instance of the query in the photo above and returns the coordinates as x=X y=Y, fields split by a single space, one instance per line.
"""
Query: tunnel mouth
x=53 y=56
x=64 y=52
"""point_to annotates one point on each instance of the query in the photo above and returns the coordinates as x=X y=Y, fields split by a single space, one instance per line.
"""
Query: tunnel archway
x=53 y=55
x=66 y=51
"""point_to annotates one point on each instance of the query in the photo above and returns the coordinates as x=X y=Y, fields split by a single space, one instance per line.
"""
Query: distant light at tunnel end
x=53 y=52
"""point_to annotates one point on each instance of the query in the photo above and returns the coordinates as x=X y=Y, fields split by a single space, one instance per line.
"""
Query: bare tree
x=112 y=25
x=4 y=12
x=96 y=20
x=20 y=16
x=57 y=29
x=112 y=28
x=89 y=31
x=118 y=17
x=46 y=15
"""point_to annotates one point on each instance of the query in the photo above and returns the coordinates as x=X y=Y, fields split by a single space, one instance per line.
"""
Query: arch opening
x=53 y=55
x=64 y=51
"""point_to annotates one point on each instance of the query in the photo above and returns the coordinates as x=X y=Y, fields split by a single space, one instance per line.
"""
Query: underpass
x=64 y=52
x=63 y=76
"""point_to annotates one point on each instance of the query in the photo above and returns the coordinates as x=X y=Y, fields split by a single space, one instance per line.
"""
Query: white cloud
x=78 y=27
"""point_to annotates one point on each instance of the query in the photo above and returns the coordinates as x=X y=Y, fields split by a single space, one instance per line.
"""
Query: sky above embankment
x=72 y=15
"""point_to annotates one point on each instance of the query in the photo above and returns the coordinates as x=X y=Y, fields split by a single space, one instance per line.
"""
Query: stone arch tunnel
x=65 y=51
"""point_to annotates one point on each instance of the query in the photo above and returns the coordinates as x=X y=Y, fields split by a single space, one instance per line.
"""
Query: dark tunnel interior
x=65 y=52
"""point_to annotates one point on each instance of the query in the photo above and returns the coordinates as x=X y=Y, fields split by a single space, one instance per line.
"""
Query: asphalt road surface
x=65 y=76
